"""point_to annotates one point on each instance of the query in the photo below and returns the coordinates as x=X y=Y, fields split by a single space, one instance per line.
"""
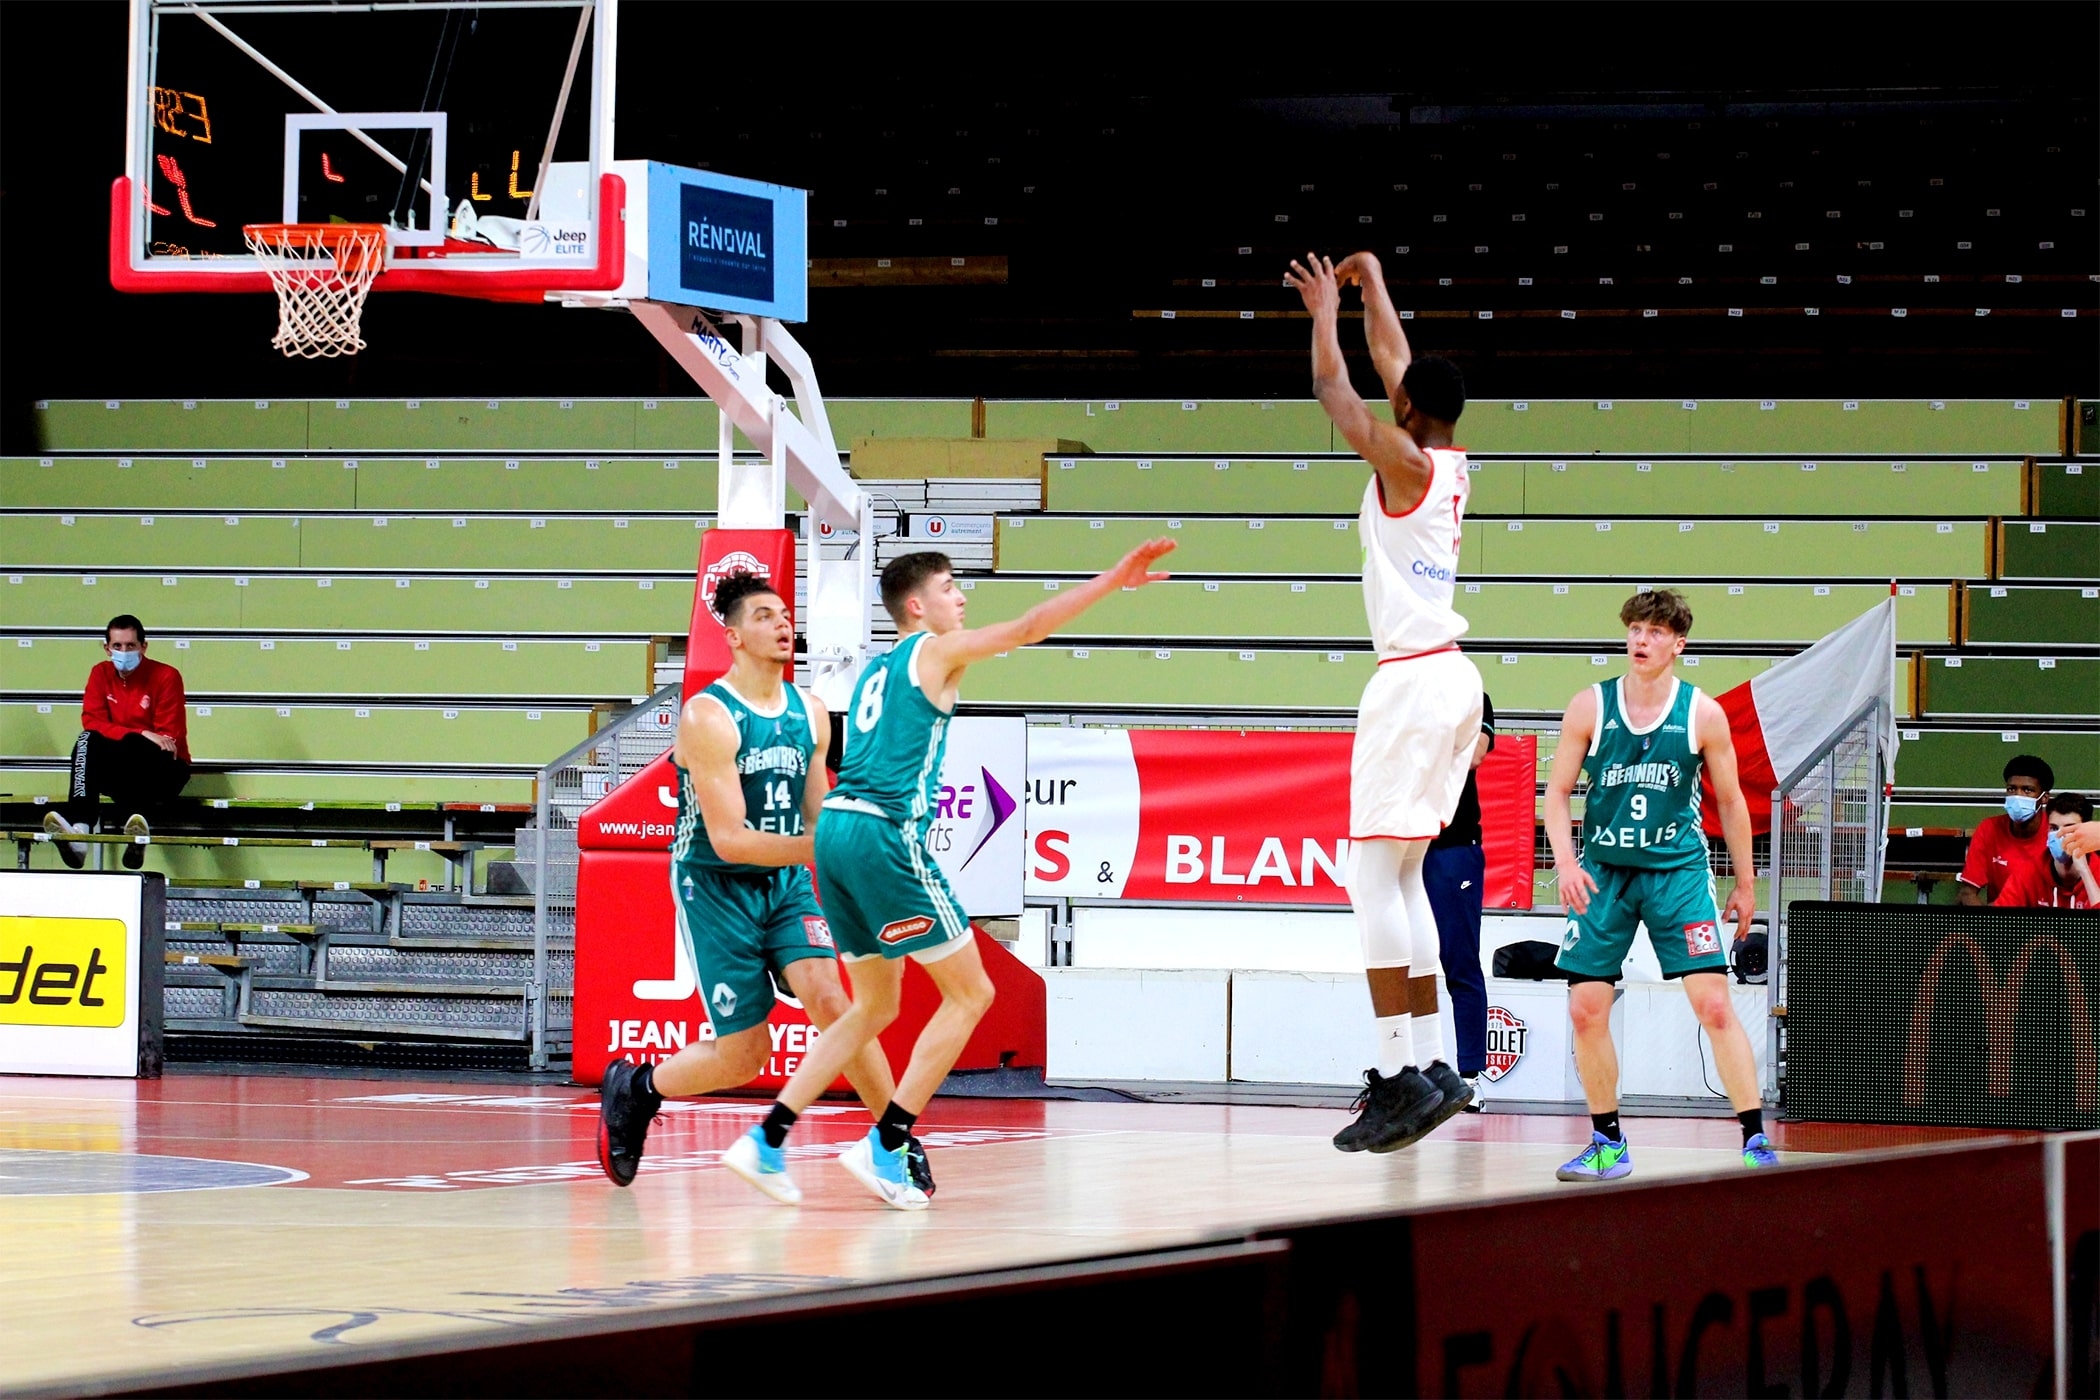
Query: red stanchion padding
x=768 y=553
x=1508 y=784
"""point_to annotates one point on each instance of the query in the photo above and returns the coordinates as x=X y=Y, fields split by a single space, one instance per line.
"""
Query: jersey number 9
x=1638 y=806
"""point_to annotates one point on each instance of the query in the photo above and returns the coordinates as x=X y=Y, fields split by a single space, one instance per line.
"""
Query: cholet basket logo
x=1505 y=1043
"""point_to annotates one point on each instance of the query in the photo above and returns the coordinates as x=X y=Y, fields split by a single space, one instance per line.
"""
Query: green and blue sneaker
x=1602 y=1160
x=1758 y=1152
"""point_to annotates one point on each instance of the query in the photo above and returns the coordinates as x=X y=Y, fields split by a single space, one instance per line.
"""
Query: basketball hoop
x=322 y=273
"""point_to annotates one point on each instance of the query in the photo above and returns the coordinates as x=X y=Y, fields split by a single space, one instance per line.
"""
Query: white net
x=322 y=273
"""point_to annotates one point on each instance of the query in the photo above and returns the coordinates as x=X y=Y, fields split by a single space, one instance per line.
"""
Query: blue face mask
x=2056 y=846
x=2020 y=808
x=127 y=661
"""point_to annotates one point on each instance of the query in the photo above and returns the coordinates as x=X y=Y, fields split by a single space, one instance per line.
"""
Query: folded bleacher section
x=391 y=614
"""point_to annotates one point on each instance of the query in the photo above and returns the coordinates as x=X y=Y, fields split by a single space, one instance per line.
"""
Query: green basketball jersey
x=773 y=763
x=1643 y=805
x=895 y=740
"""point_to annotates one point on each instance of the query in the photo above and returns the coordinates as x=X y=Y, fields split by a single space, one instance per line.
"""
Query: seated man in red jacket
x=2061 y=879
x=133 y=747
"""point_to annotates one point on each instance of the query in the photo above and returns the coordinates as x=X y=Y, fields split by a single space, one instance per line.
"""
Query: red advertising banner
x=1228 y=816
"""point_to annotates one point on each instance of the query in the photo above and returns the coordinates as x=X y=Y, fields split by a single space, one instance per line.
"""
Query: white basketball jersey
x=1411 y=561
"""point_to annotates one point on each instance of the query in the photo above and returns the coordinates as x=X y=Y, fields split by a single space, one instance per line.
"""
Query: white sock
x=1429 y=1037
x=1396 y=1044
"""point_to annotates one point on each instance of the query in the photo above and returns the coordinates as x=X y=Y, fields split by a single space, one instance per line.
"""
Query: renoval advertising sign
x=740 y=243
x=1226 y=816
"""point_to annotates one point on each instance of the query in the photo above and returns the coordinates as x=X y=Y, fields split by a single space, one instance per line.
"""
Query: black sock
x=645 y=1085
x=1607 y=1124
x=1753 y=1121
x=895 y=1127
x=777 y=1123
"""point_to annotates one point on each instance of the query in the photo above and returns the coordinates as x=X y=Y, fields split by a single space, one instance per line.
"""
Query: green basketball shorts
x=1678 y=906
x=883 y=893
x=742 y=930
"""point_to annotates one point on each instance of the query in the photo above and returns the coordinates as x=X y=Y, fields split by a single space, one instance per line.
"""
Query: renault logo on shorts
x=723 y=1000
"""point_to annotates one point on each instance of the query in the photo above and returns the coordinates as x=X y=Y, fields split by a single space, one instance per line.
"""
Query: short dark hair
x=2026 y=765
x=906 y=574
x=1661 y=605
x=2072 y=802
x=1436 y=388
x=122 y=622
x=734 y=591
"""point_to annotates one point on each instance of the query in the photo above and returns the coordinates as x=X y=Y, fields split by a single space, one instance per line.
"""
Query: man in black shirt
x=1454 y=872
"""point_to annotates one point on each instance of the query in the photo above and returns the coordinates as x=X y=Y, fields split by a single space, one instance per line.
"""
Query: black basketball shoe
x=625 y=1109
x=1389 y=1112
x=917 y=1167
x=1458 y=1094
x=1402 y=1112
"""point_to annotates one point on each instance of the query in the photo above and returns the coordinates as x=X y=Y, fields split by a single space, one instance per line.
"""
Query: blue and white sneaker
x=764 y=1166
x=1602 y=1160
x=1758 y=1152
x=884 y=1172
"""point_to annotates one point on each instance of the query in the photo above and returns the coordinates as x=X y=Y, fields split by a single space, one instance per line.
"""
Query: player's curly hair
x=1664 y=606
x=734 y=591
x=1435 y=387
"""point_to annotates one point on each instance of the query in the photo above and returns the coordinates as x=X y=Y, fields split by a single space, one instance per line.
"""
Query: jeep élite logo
x=2001 y=1009
x=61 y=972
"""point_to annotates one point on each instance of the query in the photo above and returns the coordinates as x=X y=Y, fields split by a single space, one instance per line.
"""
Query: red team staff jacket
x=150 y=697
x=1996 y=855
x=2036 y=887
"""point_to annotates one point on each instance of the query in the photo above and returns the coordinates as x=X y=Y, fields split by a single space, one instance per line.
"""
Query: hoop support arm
x=411 y=275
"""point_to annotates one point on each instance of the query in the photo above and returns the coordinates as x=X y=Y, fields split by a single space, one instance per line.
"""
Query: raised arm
x=1717 y=748
x=943 y=658
x=1403 y=468
x=1576 y=726
x=706 y=748
x=1389 y=348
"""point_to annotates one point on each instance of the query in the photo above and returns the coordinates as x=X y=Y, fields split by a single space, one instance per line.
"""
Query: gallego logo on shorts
x=904 y=928
x=727 y=243
x=61 y=972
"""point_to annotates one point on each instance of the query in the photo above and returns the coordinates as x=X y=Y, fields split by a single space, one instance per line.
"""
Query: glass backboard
x=474 y=133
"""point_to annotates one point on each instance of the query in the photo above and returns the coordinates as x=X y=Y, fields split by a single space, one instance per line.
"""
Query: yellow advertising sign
x=61 y=972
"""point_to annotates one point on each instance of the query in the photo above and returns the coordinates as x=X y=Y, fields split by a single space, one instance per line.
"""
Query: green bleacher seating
x=1209 y=678
x=2012 y=687
x=36 y=780
x=1332 y=610
x=2065 y=490
x=464 y=736
x=668 y=485
x=2011 y=615
x=583 y=543
x=1713 y=427
x=425 y=603
x=2051 y=549
x=344 y=666
x=1563 y=486
x=1975 y=758
x=1648 y=549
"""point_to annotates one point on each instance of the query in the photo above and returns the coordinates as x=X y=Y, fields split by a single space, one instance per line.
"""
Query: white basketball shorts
x=1415 y=731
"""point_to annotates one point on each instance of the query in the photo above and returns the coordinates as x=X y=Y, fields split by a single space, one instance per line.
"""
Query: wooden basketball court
x=153 y=1227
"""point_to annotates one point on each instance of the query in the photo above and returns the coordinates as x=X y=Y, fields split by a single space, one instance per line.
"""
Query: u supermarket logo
x=61 y=972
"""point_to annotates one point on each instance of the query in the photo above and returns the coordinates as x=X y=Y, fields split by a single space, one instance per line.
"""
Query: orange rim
x=360 y=240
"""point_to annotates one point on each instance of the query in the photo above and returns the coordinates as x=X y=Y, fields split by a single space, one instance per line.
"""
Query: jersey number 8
x=869 y=710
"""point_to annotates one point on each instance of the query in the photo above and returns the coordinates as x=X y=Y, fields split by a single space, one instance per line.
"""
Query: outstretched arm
x=1717 y=748
x=1576 y=886
x=942 y=658
x=1404 y=470
x=1389 y=348
x=706 y=748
